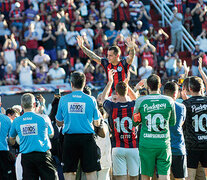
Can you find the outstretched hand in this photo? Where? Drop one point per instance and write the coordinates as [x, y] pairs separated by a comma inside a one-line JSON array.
[[80, 41], [200, 61], [130, 43]]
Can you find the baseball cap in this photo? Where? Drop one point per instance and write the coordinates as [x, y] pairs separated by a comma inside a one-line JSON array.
[[23, 48], [40, 48], [171, 46], [17, 4], [174, 8], [197, 43], [139, 22]]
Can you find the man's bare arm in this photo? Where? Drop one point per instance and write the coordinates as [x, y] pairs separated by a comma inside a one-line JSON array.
[[88, 52], [131, 45]]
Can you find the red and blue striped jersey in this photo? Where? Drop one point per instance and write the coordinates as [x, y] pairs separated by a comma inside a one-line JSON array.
[[120, 123], [122, 69]]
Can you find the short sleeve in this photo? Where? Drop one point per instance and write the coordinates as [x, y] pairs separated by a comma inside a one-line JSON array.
[[107, 106], [13, 132], [104, 63], [59, 115], [50, 128], [125, 65]]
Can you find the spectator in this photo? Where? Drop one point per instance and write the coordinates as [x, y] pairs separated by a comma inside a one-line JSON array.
[[39, 28], [83, 9], [144, 17], [30, 14], [202, 39], [111, 34], [188, 19], [170, 61], [99, 32], [161, 71], [197, 25], [9, 48], [41, 75], [31, 37], [41, 59], [146, 5], [79, 65], [107, 8], [125, 31], [3, 29], [134, 9], [180, 70], [99, 77], [89, 34], [176, 29], [120, 42], [88, 71], [2, 68], [147, 51], [42, 12], [71, 41], [145, 71], [60, 35], [70, 8], [161, 39], [22, 55], [93, 11], [121, 12], [79, 22], [10, 77], [25, 72], [151, 34], [16, 17], [56, 74], [195, 55], [64, 63], [49, 42], [139, 31]]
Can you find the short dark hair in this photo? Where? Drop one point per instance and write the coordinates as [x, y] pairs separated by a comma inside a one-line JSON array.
[[153, 82], [186, 84], [116, 50], [10, 111], [78, 79], [195, 83], [121, 88], [170, 88]]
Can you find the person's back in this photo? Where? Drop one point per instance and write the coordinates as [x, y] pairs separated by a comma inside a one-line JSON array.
[[156, 112], [33, 131]]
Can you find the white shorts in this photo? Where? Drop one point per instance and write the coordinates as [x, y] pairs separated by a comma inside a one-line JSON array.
[[124, 159]]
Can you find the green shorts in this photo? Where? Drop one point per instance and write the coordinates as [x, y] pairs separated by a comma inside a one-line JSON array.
[[161, 158]]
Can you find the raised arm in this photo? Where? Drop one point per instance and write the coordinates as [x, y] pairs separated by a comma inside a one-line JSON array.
[[88, 52], [131, 45], [204, 77], [106, 90]]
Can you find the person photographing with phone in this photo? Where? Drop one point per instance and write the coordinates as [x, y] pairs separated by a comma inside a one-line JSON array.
[[113, 61]]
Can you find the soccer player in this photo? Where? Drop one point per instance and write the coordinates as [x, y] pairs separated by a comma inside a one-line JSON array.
[[5, 163], [195, 127], [125, 154], [34, 131], [121, 66], [179, 159], [156, 112], [77, 111]]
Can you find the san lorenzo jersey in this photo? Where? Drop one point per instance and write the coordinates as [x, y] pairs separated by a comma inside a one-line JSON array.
[[120, 122], [33, 131], [157, 113], [121, 68], [5, 125], [77, 110], [195, 127]]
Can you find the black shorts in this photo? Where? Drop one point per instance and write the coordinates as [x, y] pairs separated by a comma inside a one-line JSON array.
[[7, 168], [80, 147], [194, 157], [179, 166], [38, 164]]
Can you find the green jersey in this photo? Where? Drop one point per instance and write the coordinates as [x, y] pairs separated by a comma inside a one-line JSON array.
[[157, 113]]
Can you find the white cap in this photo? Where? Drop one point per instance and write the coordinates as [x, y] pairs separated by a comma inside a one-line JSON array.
[[139, 22], [23, 48], [17, 4], [171, 46]]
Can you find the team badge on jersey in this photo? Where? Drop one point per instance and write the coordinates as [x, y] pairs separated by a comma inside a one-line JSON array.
[[29, 129], [119, 68], [76, 107]]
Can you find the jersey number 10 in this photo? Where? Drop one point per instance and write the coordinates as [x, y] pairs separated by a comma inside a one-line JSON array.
[[120, 124], [199, 122]]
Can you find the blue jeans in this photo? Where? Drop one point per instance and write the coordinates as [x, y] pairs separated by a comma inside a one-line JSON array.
[[170, 72]]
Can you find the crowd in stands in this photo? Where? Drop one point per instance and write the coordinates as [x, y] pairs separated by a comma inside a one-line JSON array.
[[38, 38]]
